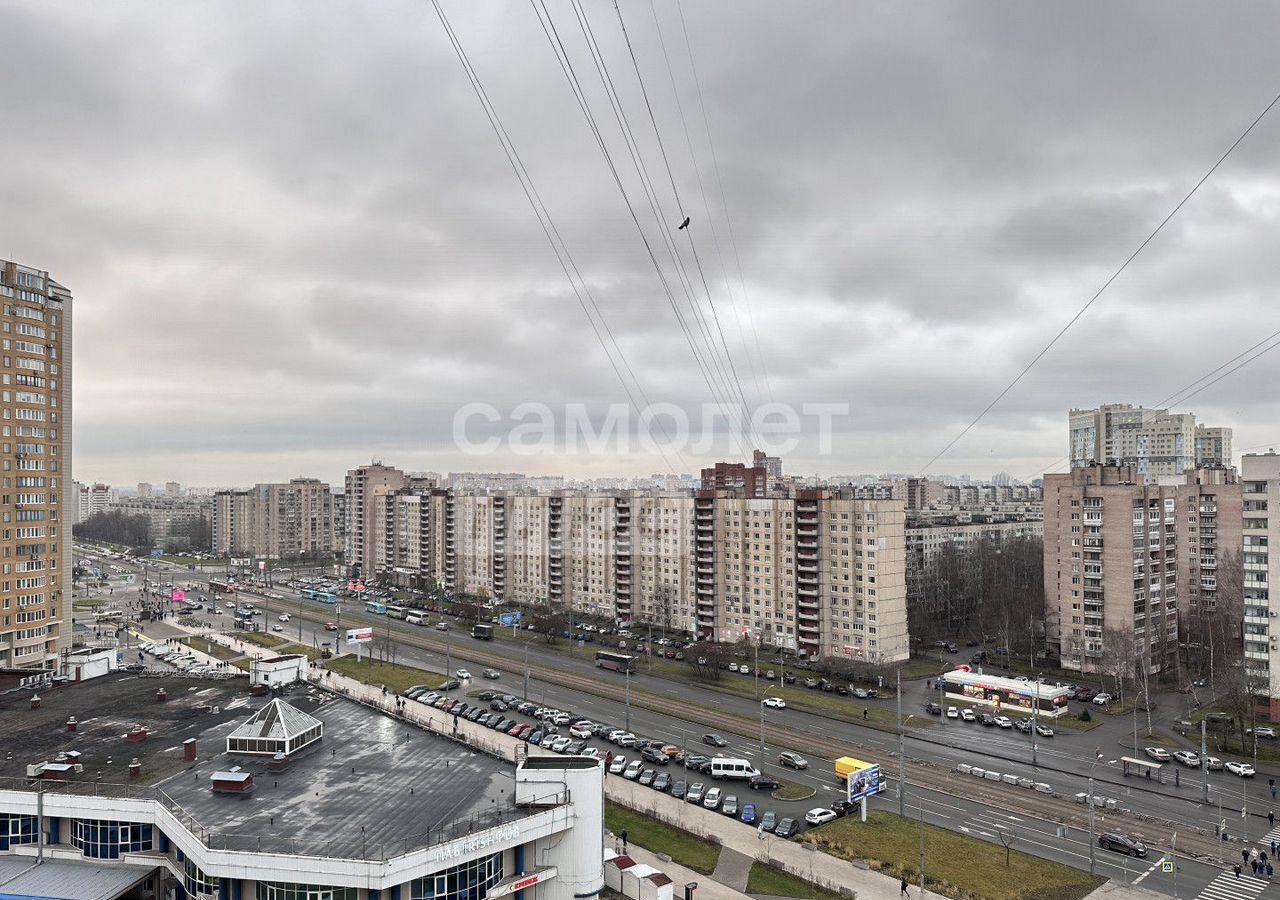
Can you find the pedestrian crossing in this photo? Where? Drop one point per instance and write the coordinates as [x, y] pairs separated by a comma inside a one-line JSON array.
[[1228, 887]]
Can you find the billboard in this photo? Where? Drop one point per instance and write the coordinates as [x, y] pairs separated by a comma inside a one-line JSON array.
[[864, 781], [178, 596], [239, 563], [355, 585], [509, 618], [359, 635]]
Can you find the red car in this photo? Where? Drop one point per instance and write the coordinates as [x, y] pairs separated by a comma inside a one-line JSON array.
[[330, 626]]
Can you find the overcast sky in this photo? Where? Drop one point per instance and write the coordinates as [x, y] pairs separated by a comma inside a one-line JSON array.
[[295, 244]]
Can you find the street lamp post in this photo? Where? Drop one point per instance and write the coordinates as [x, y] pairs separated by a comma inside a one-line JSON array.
[[902, 751], [627, 726], [526, 671], [761, 732], [1035, 723], [1091, 838]]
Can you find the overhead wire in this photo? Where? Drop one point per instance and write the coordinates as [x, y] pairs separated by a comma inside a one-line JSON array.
[[715, 166], [549, 229], [707, 361], [1106, 284], [733, 369]]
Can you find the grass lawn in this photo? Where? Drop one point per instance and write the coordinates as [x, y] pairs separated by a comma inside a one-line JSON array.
[[955, 865], [395, 678], [923, 668], [791, 791], [213, 649], [683, 847], [765, 879], [261, 638]]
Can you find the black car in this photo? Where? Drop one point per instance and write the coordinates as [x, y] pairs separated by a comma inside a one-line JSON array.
[[789, 678], [679, 789], [697, 762], [842, 808], [987, 719], [933, 709], [714, 740], [486, 696], [763, 782], [1122, 843], [661, 781], [786, 828], [826, 686], [498, 706]]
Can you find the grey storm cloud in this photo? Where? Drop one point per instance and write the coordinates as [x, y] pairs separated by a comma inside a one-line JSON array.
[[295, 243]]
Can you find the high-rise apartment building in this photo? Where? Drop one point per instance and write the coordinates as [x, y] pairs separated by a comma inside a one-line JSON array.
[[365, 513], [172, 489], [821, 573], [35, 448], [1124, 558], [1155, 442], [289, 520], [145, 489], [1260, 480]]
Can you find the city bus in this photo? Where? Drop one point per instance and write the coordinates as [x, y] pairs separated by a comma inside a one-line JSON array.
[[327, 597], [376, 607], [310, 593], [222, 587], [396, 612], [618, 662]]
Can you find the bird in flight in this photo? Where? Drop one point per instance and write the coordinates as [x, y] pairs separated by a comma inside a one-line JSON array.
[[684, 224]]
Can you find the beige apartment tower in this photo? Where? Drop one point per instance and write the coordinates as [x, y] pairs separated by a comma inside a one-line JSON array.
[[289, 520], [35, 451], [1260, 480], [1124, 559], [1155, 442]]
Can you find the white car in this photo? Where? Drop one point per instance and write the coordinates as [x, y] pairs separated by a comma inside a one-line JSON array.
[[1004, 721], [775, 702], [712, 798], [1263, 732], [733, 667], [967, 715], [1244, 770], [462, 675], [953, 713], [284, 617], [1213, 763], [1044, 731], [277, 627], [593, 752], [581, 731], [1187, 758], [633, 770], [820, 816], [1102, 699], [619, 763], [1159, 754]]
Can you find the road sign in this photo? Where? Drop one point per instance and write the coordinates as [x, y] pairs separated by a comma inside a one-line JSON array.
[[359, 635], [1166, 866]]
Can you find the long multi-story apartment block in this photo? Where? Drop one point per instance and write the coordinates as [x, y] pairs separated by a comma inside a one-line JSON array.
[[1260, 481], [1124, 558], [36, 449], [1155, 442], [288, 520], [821, 573]]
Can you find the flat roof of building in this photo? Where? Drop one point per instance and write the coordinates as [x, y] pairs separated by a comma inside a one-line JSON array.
[[21, 876], [373, 787], [999, 682], [106, 709]]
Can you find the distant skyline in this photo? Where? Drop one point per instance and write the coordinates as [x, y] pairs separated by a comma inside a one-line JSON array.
[[294, 243]]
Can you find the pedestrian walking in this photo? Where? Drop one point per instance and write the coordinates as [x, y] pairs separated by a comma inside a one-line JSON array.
[[1237, 870], [904, 887], [1271, 818], [1270, 870], [864, 712], [1253, 864], [1244, 854]]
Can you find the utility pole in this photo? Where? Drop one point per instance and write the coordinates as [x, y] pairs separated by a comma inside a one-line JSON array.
[[1173, 857], [902, 753], [526, 671], [627, 726], [922, 848], [1035, 723], [1204, 766], [761, 704], [1092, 864]]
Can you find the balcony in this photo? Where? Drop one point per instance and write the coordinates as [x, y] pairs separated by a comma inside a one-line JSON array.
[[806, 591]]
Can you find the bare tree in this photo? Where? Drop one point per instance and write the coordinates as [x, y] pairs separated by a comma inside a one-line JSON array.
[[1007, 840], [1119, 657]]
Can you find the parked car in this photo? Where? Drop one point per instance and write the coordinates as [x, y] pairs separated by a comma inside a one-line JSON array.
[[820, 816], [843, 807], [748, 814], [619, 763], [1263, 731], [1044, 730], [633, 770], [1213, 763], [793, 760], [1187, 758], [730, 806], [968, 715], [1159, 754], [646, 777], [987, 719], [649, 754], [661, 782], [786, 828], [953, 712], [764, 782], [1101, 699], [933, 709], [1121, 843], [679, 789], [1004, 721], [1242, 769], [769, 820], [713, 798], [696, 792], [775, 702]]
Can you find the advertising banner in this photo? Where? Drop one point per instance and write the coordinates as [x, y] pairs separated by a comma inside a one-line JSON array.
[[864, 781], [359, 635], [178, 596]]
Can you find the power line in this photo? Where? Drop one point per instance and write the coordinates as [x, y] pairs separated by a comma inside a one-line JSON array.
[[709, 366], [688, 231], [1171, 399], [715, 165], [547, 223], [1116, 274]]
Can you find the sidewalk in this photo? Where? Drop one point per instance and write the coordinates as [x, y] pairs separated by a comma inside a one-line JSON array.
[[708, 888]]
